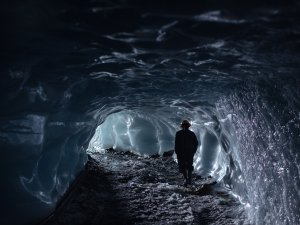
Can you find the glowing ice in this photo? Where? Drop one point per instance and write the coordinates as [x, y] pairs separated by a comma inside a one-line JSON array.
[[128, 130]]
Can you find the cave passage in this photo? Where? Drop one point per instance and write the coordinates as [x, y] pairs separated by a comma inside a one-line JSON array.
[[132, 177], [125, 188], [81, 76]]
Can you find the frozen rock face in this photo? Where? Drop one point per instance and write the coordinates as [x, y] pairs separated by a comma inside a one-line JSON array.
[[137, 69]]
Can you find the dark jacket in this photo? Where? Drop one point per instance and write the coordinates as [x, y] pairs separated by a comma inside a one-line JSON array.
[[186, 143]]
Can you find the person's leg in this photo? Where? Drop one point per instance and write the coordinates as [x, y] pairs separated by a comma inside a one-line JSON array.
[[185, 177], [185, 174], [180, 165], [190, 170], [182, 169]]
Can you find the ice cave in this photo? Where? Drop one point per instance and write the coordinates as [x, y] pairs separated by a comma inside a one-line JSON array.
[[113, 80]]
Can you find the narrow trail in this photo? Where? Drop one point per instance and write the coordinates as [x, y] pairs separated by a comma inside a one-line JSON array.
[[123, 188]]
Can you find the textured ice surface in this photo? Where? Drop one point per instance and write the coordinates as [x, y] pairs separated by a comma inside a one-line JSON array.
[[129, 130], [70, 66], [42, 157]]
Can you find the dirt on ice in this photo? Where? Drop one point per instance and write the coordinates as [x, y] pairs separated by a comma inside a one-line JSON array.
[[122, 188]]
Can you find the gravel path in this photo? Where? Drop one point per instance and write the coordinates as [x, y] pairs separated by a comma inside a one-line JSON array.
[[122, 188]]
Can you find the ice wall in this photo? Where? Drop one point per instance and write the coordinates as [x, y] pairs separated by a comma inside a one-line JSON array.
[[266, 150], [42, 156], [142, 133], [43, 137]]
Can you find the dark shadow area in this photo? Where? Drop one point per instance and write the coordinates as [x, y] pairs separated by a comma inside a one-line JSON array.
[[92, 200]]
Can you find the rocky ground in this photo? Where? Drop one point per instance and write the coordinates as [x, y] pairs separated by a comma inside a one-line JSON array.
[[123, 188]]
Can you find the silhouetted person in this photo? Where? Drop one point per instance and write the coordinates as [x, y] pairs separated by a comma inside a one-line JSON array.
[[186, 144]]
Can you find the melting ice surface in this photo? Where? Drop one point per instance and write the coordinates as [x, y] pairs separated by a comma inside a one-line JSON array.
[[124, 74]]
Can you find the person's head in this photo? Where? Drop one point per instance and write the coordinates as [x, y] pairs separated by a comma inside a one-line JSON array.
[[185, 124]]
